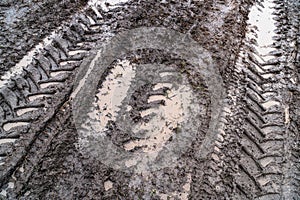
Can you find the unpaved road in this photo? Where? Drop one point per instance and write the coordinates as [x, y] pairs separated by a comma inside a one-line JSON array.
[[225, 126]]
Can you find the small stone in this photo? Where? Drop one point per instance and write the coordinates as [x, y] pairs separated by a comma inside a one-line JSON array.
[[217, 149], [108, 185], [222, 132], [215, 157], [220, 138]]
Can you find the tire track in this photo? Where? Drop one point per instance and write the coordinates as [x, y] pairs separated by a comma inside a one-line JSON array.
[[32, 94], [263, 138], [25, 23], [260, 166]]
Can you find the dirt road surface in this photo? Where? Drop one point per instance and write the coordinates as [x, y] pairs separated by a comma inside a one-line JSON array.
[[151, 99]]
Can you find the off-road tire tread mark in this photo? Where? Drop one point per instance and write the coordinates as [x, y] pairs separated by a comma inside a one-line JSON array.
[[274, 139], [38, 72]]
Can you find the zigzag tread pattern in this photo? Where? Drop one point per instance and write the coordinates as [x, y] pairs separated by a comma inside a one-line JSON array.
[[266, 165], [29, 100], [263, 142]]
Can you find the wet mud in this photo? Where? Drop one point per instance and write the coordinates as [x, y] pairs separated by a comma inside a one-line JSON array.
[[147, 97], [24, 24]]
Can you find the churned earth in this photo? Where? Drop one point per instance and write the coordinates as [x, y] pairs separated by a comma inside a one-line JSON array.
[[203, 105]]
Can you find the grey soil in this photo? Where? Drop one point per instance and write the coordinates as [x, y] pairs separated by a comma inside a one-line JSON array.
[[25, 23], [254, 153]]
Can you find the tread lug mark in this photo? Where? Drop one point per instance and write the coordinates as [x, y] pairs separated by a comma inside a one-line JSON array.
[[34, 86], [254, 140], [245, 170], [6, 106], [43, 61], [54, 63], [7, 126]]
